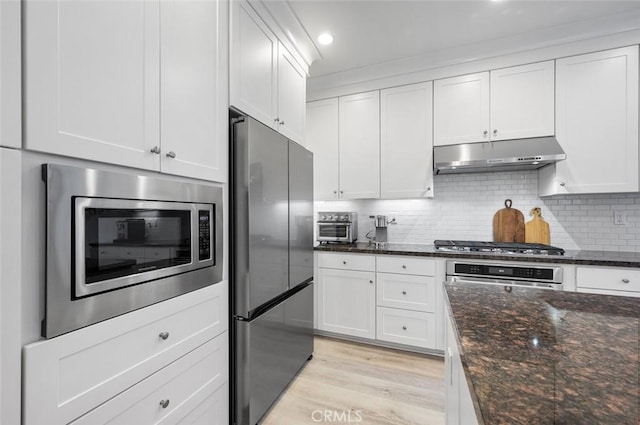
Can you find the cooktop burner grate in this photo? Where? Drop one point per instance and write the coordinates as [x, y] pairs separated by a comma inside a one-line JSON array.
[[498, 247]]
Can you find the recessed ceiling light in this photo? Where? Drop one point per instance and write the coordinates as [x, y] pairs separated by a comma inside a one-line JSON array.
[[325, 39]]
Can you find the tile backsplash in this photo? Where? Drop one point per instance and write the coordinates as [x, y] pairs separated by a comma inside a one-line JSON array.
[[464, 205]]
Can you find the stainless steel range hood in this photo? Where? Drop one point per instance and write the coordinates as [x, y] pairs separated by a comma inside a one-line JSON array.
[[504, 155]]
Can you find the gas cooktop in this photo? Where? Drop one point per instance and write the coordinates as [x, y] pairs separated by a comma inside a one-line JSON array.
[[497, 247]]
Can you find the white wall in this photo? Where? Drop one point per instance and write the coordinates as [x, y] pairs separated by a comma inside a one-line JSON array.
[[464, 205]]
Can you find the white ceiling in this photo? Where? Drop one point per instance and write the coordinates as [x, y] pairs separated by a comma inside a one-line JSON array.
[[372, 32]]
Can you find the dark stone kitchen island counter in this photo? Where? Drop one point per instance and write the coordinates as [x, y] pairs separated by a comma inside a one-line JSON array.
[[586, 258], [535, 356]]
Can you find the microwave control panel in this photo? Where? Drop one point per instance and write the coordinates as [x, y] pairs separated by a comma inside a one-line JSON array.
[[204, 220]]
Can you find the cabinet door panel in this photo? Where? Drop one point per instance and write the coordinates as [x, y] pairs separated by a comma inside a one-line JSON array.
[[597, 122], [10, 75], [92, 80], [253, 56], [461, 109], [322, 140], [347, 302], [359, 146], [522, 101], [291, 96], [194, 88], [406, 142]]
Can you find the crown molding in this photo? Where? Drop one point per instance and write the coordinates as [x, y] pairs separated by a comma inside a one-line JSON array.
[[566, 40], [282, 20]]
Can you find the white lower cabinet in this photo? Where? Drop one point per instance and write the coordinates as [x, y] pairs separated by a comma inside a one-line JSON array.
[[346, 303], [608, 281], [119, 370], [458, 405], [385, 298], [171, 394], [406, 327]]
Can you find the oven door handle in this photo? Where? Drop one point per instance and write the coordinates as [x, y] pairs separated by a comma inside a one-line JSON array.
[[503, 282]]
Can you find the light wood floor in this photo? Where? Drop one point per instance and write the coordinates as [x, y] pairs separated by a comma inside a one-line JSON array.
[[347, 383]]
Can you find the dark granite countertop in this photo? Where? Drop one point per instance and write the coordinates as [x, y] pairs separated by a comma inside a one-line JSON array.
[[589, 258], [535, 356]]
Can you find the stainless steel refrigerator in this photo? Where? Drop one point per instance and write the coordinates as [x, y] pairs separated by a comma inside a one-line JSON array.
[[271, 265]]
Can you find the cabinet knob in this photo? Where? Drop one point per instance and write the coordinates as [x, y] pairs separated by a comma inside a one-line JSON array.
[[625, 281], [404, 328], [335, 192], [371, 281], [164, 403], [276, 120], [429, 188], [485, 133], [404, 267], [495, 131], [281, 122], [344, 262], [171, 154], [404, 292], [156, 150], [163, 335], [341, 192], [562, 184]]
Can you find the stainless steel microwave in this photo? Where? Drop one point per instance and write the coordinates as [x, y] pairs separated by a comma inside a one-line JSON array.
[[118, 242]]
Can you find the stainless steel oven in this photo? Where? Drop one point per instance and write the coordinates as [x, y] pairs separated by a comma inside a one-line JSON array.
[[495, 273], [118, 242], [340, 227]]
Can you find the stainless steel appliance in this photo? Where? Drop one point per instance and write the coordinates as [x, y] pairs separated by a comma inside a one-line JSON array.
[[118, 242], [502, 155], [492, 273], [271, 265], [497, 247], [338, 227]]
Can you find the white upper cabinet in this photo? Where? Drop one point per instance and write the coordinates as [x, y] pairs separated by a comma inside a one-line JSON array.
[[596, 124], [10, 78], [194, 107], [292, 88], [509, 103], [253, 64], [461, 109], [266, 82], [359, 145], [95, 73], [406, 142], [522, 101], [322, 140], [92, 75]]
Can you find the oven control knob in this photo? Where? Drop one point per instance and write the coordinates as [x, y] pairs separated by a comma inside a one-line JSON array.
[[332, 217], [344, 217], [323, 217]]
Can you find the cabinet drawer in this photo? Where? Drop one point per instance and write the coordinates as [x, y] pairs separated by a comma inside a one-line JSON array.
[[181, 387], [406, 291], [66, 376], [406, 327], [622, 279], [405, 265], [347, 261]]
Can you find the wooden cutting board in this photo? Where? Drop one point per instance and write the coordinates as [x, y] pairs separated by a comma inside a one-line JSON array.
[[537, 230], [508, 224]]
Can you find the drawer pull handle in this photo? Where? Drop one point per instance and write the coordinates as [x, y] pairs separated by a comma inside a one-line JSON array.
[[625, 280], [164, 403], [404, 267], [404, 292], [404, 328], [163, 335]]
